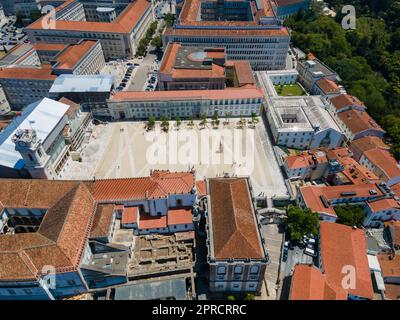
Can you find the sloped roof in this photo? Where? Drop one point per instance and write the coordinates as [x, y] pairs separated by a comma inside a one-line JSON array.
[[59, 240], [158, 185], [235, 233], [343, 246], [102, 220], [346, 100], [383, 160], [308, 283], [358, 121]]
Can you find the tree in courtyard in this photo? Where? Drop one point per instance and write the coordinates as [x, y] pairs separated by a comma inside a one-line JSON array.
[[165, 123], [215, 119], [191, 122], [301, 222], [242, 121], [350, 215], [178, 122], [230, 297], [151, 122], [203, 118], [249, 296], [254, 118]]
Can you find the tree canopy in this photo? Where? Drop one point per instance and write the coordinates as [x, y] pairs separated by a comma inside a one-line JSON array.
[[366, 58], [350, 215], [301, 222]]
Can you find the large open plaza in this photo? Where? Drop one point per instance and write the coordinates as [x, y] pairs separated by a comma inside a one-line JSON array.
[[128, 149]]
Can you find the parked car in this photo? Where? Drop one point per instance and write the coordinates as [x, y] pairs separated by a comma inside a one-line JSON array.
[[309, 251]]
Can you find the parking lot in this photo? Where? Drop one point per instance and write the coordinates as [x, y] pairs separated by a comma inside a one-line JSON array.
[[10, 35]]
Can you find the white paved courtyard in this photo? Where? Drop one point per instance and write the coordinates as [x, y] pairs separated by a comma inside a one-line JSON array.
[[127, 149]]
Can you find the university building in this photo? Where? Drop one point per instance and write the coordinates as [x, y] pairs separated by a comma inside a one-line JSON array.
[[28, 72], [201, 68], [119, 28], [249, 30], [70, 226], [237, 255], [186, 104]]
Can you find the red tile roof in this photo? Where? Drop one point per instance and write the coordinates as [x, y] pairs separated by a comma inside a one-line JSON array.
[[328, 86], [385, 161], [70, 56], [308, 283], [229, 93], [390, 264], [358, 121], [102, 221], [383, 204], [33, 73], [243, 72], [367, 143], [179, 216], [130, 215], [201, 187], [60, 238], [124, 23], [312, 195], [158, 185], [148, 222], [346, 100], [343, 246], [234, 228]]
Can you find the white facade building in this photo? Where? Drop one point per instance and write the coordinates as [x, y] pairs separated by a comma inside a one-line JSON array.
[[302, 123], [185, 103]]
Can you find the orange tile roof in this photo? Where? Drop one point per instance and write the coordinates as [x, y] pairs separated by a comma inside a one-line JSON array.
[[70, 56], [358, 121], [356, 172], [243, 72], [124, 23], [201, 187], [299, 161], [179, 216], [312, 195], [308, 283], [385, 161], [345, 100], [343, 246], [158, 185], [149, 222], [396, 189], [235, 233], [383, 204], [390, 264], [130, 215], [392, 291], [367, 143], [168, 60], [228, 93], [102, 221], [49, 46], [328, 86], [61, 237], [42, 73]]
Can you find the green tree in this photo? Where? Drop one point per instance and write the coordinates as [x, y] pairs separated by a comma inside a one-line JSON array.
[[178, 122], [254, 118], [249, 296], [203, 118], [230, 297], [301, 222], [157, 42], [165, 123], [151, 122], [350, 215]]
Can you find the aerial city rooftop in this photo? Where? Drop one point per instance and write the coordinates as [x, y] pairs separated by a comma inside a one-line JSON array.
[[188, 150]]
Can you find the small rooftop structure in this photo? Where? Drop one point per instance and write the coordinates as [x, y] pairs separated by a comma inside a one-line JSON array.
[[82, 83]]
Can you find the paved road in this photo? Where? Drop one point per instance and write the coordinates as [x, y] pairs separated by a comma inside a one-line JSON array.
[[273, 239]]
